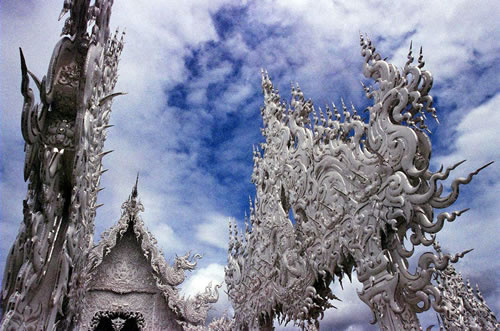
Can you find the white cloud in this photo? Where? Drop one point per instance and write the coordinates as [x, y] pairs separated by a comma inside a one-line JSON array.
[[201, 277], [167, 239], [214, 231], [351, 311], [475, 136], [235, 94]]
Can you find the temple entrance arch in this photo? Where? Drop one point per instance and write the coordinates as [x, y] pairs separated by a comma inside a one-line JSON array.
[[117, 321]]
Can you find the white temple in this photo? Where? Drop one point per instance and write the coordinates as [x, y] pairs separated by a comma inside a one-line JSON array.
[[130, 284]]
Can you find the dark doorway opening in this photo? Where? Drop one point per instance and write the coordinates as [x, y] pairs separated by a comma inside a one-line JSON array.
[[117, 321]]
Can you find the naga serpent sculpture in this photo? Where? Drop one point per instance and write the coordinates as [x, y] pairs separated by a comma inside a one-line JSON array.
[[357, 188]]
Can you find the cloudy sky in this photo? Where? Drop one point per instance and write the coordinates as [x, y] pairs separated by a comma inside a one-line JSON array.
[[191, 115]]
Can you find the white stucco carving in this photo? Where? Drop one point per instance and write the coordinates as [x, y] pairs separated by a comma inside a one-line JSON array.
[[357, 188], [335, 191], [127, 273], [64, 138]]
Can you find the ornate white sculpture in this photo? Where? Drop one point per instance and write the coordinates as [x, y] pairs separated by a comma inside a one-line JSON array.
[[126, 273], [64, 137], [53, 277], [357, 188], [465, 309]]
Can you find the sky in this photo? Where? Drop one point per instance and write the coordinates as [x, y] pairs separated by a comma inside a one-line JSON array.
[[187, 125]]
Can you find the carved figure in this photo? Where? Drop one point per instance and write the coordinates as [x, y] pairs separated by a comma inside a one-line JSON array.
[[197, 308], [357, 188], [116, 320]]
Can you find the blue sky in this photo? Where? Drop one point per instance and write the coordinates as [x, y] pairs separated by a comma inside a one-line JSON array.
[[191, 115]]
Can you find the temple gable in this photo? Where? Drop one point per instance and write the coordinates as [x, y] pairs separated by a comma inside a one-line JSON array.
[[125, 269], [130, 285]]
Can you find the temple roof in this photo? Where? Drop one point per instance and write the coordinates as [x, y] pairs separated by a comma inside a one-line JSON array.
[[167, 276]]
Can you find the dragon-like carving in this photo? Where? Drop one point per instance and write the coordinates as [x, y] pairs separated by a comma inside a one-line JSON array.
[[64, 136], [337, 192], [195, 309]]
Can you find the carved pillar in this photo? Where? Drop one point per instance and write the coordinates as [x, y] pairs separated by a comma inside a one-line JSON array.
[[383, 290], [389, 308], [64, 138]]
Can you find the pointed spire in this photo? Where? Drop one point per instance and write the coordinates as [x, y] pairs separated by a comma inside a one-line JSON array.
[[354, 112], [322, 117], [133, 205], [336, 112], [421, 61], [247, 229], [315, 117], [410, 54], [134, 189], [231, 242], [345, 111]]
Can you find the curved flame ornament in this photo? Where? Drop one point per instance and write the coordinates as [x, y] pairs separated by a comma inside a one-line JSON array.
[[357, 188]]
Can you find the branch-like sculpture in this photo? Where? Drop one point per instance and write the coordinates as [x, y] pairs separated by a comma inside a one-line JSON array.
[[357, 189], [64, 136]]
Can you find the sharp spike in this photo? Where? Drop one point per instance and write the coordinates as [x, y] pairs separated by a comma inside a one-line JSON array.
[[36, 80], [103, 154], [462, 211], [109, 97], [354, 112], [136, 183], [421, 61]]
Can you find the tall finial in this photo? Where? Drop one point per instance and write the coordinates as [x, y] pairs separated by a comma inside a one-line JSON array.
[[133, 205], [134, 190]]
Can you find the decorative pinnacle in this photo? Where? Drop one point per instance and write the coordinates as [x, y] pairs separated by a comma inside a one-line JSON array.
[[133, 205], [134, 189], [421, 61]]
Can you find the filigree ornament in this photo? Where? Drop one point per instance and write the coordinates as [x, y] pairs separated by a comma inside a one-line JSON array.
[[64, 136], [223, 323], [124, 275], [465, 309], [357, 188]]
